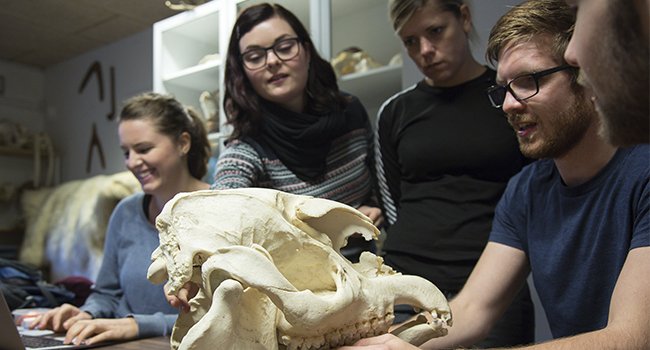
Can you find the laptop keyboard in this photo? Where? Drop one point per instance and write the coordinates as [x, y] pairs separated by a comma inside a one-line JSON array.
[[39, 342]]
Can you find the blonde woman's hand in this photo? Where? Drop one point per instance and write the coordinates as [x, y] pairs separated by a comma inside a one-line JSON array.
[[185, 294], [60, 319], [101, 330]]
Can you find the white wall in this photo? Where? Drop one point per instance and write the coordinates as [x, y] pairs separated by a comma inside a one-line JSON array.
[[70, 114]]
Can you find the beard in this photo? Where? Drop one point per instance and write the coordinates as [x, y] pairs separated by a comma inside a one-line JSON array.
[[623, 97], [559, 133]]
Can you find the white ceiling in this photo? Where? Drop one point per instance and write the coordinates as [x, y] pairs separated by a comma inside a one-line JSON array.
[[44, 32], [41, 33]]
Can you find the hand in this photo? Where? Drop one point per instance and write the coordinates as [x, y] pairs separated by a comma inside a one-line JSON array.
[[101, 329], [373, 213], [60, 319], [185, 294], [382, 342]]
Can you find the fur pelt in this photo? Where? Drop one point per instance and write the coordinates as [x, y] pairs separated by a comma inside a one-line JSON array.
[[66, 225]]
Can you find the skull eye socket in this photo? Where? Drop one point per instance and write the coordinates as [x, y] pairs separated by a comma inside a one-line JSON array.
[[199, 259]]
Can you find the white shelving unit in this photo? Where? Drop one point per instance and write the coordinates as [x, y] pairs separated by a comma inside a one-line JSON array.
[[189, 53], [374, 86], [365, 24]]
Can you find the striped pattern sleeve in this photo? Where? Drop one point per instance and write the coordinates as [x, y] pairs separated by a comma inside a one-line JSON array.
[[386, 159], [239, 166]]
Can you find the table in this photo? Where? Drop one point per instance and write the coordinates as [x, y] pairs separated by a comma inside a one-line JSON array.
[[157, 343]]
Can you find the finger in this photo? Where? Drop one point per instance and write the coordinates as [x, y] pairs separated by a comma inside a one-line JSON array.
[[35, 322], [100, 337], [95, 334], [82, 330], [46, 319], [73, 332], [182, 295], [183, 299], [58, 319], [186, 293], [173, 301], [60, 315], [382, 339], [72, 320]]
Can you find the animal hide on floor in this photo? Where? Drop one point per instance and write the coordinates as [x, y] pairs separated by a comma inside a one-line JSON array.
[[66, 225]]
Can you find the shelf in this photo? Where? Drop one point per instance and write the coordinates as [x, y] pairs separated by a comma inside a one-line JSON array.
[[374, 86], [24, 104], [385, 72], [19, 152], [12, 151], [203, 77]]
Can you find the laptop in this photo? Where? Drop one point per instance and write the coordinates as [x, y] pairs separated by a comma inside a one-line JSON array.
[[18, 338]]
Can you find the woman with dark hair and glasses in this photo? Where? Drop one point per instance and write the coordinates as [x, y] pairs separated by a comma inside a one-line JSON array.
[[293, 130], [444, 158]]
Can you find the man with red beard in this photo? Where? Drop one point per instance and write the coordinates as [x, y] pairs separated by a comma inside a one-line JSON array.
[[577, 219], [610, 44]]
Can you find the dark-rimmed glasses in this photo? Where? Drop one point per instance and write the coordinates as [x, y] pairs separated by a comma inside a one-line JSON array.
[[522, 87], [284, 50]]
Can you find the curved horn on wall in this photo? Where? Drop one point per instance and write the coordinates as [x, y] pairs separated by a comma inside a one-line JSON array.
[[96, 69]]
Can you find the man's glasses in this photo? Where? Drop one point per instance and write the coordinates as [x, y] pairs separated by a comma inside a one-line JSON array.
[[522, 87], [284, 50]]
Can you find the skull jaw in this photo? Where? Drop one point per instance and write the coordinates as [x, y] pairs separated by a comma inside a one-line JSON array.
[[359, 307], [237, 319]]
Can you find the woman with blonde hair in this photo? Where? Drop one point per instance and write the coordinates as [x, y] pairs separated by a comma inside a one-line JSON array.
[[166, 147], [444, 157]]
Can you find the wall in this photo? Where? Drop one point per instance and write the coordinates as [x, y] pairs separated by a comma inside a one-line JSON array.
[[73, 112], [20, 102]]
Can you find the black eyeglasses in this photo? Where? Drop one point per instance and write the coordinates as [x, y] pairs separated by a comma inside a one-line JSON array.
[[284, 50], [522, 87]]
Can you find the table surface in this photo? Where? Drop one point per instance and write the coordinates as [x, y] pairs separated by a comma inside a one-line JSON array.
[[157, 343]]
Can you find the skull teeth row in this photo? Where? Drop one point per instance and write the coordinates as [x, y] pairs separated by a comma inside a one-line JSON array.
[[345, 336]]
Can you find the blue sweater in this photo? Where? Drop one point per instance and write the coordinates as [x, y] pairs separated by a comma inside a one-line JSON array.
[[122, 288]]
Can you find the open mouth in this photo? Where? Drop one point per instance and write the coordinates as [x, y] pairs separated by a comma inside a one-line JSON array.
[[277, 78], [143, 175], [524, 129], [525, 126]]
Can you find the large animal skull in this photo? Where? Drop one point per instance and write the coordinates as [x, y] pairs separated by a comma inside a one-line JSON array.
[[271, 275]]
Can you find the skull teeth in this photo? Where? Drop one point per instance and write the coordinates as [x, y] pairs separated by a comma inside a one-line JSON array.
[[339, 337]]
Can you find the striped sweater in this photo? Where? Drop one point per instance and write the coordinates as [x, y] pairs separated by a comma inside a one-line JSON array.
[[349, 170]]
